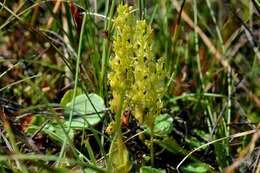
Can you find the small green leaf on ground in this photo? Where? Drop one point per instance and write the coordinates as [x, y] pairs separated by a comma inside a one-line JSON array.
[[163, 125], [55, 132], [68, 96], [196, 168], [148, 169], [119, 156], [87, 110]]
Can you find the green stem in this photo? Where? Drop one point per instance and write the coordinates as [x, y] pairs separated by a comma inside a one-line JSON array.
[[118, 119], [91, 153], [152, 145], [75, 86]]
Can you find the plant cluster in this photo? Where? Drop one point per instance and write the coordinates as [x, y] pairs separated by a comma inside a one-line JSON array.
[[136, 78]]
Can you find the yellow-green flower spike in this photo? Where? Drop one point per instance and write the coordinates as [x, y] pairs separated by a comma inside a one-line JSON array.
[[136, 77], [120, 76]]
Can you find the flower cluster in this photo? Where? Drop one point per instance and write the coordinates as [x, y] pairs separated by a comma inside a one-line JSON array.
[[137, 78], [121, 76]]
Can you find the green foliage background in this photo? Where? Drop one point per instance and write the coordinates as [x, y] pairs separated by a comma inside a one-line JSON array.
[[55, 54]]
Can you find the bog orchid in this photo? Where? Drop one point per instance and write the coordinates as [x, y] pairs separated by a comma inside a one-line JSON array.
[[136, 77]]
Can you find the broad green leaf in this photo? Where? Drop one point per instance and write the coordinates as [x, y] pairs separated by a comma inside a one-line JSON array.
[[118, 154], [88, 170], [83, 115], [148, 169], [61, 170], [87, 110], [55, 132], [163, 125], [196, 168], [68, 96], [56, 170], [171, 145]]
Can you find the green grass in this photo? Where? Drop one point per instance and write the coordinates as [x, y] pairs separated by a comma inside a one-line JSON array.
[[212, 62]]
